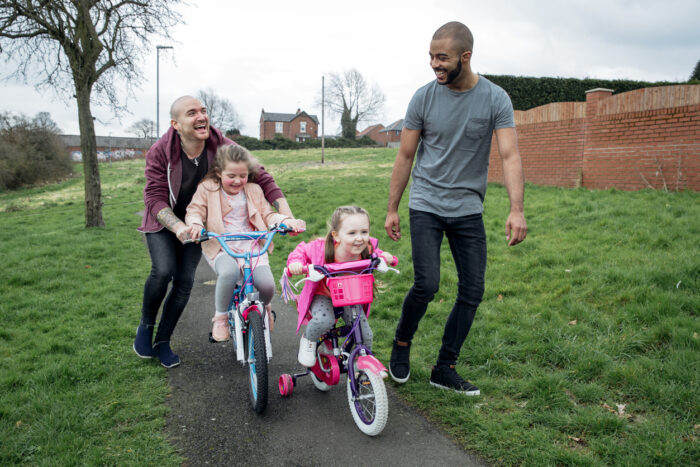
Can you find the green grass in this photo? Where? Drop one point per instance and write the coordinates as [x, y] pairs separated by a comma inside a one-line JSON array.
[[597, 308]]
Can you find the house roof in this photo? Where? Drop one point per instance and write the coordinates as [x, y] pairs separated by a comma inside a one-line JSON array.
[[370, 129], [279, 117], [396, 126]]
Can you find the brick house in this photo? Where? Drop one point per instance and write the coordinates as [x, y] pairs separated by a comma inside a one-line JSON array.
[[373, 133], [392, 133], [299, 126]]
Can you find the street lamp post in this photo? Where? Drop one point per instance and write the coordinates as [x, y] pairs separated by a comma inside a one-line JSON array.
[[158, 47]]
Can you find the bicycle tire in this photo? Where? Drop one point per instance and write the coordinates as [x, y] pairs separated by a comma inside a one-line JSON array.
[[256, 358], [371, 409]]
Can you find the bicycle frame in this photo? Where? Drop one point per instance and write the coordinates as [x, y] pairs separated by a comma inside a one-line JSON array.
[[244, 297]]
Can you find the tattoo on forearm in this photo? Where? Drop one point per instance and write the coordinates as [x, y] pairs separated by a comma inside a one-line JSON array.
[[167, 218], [276, 205]]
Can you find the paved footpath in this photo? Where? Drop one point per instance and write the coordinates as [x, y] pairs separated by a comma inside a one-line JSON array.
[[211, 421]]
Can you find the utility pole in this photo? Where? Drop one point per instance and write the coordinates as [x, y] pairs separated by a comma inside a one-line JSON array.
[[323, 119], [158, 47]]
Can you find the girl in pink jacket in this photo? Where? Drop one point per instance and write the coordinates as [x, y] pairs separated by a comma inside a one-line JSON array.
[[347, 240], [225, 201]]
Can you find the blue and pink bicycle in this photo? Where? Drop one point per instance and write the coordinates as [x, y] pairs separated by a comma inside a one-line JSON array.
[[247, 318], [342, 349]]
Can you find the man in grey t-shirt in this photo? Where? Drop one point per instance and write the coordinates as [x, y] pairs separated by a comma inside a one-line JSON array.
[[450, 122]]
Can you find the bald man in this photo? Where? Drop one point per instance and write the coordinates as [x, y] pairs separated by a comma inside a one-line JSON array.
[[175, 164], [449, 122]]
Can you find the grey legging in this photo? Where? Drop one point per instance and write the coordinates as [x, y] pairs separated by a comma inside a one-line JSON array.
[[323, 319], [228, 272]]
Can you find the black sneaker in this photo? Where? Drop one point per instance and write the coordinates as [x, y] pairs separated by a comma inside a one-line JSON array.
[[399, 364], [167, 357], [446, 377]]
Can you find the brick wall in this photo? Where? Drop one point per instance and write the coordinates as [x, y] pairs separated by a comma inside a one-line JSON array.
[[639, 139]]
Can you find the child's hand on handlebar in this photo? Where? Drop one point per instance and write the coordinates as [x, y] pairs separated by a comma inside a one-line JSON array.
[[296, 268], [195, 231], [297, 225], [388, 257]]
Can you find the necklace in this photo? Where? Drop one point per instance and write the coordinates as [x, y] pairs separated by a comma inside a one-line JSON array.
[[194, 160]]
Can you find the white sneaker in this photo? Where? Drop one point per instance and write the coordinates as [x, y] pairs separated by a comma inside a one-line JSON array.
[[307, 352]]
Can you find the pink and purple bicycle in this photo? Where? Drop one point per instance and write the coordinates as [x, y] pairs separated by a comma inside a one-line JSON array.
[[343, 350]]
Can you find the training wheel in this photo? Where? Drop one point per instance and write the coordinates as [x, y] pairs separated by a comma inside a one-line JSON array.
[[286, 384]]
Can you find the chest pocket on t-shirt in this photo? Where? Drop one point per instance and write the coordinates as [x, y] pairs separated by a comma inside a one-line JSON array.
[[477, 128]]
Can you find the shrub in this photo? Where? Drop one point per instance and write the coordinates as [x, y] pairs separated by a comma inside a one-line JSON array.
[[280, 142], [31, 153], [527, 92]]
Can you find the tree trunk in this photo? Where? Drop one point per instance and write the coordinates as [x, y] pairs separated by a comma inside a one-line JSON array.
[[91, 169], [348, 125]]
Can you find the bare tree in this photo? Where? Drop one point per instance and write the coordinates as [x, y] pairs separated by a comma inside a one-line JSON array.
[[354, 99], [222, 115], [75, 47], [144, 128], [44, 120]]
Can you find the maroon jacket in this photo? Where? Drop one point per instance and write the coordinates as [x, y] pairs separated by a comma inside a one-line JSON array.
[[164, 175]]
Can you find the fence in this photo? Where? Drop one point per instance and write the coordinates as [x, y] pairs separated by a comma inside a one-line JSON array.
[[647, 138]]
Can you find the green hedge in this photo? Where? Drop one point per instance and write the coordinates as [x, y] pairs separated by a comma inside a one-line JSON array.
[[280, 142], [527, 92]]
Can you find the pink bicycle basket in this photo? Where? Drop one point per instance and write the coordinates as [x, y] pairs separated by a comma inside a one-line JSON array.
[[351, 290]]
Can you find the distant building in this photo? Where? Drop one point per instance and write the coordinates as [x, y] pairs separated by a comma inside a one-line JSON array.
[[299, 126], [392, 133], [110, 147], [389, 136], [373, 133]]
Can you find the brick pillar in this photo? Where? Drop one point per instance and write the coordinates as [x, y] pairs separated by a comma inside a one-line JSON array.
[[594, 96]]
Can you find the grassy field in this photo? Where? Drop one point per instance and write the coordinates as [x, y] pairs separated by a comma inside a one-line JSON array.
[[585, 347]]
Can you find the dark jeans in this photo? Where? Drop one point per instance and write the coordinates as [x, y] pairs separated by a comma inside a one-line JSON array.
[[467, 239], [171, 261]]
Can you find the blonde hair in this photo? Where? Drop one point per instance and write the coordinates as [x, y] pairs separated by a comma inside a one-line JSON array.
[[336, 221], [231, 153]]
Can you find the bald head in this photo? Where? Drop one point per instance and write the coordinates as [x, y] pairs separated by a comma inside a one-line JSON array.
[[460, 35], [180, 104]]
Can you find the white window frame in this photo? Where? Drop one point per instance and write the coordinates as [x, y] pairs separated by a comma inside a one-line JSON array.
[[279, 127], [302, 127]]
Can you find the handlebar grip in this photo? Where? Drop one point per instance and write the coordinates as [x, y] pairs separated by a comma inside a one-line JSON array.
[[304, 270]]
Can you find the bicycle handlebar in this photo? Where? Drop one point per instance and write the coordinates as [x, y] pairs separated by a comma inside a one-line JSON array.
[[254, 235], [330, 269]]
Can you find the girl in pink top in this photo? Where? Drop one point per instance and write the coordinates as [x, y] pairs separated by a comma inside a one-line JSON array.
[[347, 240], [225, 201]]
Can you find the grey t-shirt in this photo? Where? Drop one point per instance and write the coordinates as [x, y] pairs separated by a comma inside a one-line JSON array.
[[452, 162]]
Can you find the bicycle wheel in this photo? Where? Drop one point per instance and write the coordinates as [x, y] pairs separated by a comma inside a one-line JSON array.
[[370, 409], [256, 356]]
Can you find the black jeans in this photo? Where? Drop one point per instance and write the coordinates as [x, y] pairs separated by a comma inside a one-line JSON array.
[[467, 239], [171, 261]]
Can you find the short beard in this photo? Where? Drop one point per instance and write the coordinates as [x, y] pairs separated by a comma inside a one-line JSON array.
[[452, 75]]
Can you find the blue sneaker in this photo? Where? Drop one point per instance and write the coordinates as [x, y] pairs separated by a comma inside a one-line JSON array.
[[167, 357], [142, 343]]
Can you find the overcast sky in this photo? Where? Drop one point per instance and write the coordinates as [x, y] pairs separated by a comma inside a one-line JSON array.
[[272, 54]]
